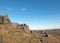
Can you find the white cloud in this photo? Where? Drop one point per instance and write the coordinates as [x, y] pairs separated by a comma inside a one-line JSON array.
[[24, 9]]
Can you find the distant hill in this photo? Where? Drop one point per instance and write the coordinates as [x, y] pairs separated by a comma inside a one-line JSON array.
[[55, 33]]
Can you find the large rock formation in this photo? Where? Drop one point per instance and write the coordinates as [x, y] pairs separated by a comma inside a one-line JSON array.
[[4, 19]]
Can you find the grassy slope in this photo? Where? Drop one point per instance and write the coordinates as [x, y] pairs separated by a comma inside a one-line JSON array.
[[11, 35]]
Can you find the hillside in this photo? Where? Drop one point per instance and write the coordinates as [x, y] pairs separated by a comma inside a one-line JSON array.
[[20, 33], [9, 34]]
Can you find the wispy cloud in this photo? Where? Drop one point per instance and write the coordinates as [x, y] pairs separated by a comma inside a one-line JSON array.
[[23, 9], [10, 9]]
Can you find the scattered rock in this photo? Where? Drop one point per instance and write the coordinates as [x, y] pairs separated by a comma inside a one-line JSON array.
[[45, 34]]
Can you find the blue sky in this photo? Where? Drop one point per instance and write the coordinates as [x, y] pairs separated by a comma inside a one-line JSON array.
[[38, 14]]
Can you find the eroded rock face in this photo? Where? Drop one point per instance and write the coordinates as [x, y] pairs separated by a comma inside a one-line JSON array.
[[6, 19]]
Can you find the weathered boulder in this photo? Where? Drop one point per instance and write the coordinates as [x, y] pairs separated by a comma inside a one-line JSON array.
[[25, 27]]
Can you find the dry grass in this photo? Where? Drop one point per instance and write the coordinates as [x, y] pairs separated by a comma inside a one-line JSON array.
[[11, 35]]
